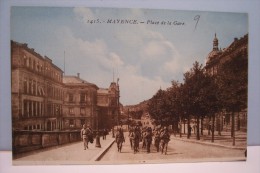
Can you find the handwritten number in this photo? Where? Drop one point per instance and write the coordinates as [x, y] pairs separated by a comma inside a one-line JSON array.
[[196, 18]]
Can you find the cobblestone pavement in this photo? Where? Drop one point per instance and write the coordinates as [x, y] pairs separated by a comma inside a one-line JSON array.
[[66, 154], [178, 151]]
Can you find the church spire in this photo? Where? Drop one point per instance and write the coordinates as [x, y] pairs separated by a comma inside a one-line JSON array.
[[215, 43]]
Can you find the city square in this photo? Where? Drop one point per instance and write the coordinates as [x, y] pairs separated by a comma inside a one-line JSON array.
[[93, 89]]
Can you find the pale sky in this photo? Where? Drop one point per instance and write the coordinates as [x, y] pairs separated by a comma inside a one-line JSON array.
[[144, 56]]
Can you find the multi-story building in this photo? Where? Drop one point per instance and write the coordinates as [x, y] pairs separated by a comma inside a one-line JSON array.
[[239, 47], [80, 103], [109, 105], [44, 99], [37, 90]]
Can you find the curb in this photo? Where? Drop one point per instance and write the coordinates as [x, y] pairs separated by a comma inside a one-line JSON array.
[[103, 152], [211, 144]]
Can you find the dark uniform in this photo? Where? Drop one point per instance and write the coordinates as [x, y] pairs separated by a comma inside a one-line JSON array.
[[164, 139], [148, 139], [136, 139], [120, 139], [157, 139]]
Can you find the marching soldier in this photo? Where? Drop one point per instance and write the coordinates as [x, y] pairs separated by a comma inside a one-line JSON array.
[[148, 139], [164, 139], [120, 139], [157, 139]]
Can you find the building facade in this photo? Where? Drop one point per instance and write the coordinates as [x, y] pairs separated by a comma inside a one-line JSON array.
[[238, 48], [37, 90], [80, 103], [109, 106], [44, 99]]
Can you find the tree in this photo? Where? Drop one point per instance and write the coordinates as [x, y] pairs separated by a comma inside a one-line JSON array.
[[212, 102], [192, 87], [156, 106], [175, 95], [201, 94], [233, 83]]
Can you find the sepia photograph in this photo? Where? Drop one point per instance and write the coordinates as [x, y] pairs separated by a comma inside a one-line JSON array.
[[102, 85]]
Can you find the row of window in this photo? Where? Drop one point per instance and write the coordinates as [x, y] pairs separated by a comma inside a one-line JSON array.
[[54, 109], [34, 127], [72, 123], [52, 74], [82, 98], [33, 87], [54, 92], [33, 108], [36, 109], [82, 111], [50, 126], [32, 64], [38, 67]]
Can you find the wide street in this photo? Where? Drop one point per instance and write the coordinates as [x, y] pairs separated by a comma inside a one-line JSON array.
[[178, 151]]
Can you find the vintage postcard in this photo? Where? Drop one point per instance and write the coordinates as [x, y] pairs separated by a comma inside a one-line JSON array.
[[128, 86]]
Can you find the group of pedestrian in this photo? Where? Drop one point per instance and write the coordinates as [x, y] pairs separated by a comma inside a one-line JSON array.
[[87, 135], [161, 139], [145, 135], [136, 135]]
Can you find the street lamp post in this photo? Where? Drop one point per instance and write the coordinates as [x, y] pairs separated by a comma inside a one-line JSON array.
[[98, 145], [113, 132], [128, 119]]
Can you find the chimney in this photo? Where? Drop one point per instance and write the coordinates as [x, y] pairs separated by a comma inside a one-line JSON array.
[[78, 74]]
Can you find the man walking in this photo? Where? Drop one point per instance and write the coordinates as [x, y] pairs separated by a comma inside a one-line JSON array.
[[148, 138], [85, 133]]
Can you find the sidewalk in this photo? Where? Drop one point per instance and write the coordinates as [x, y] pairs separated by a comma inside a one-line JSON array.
[[73, 153], [223, 140]]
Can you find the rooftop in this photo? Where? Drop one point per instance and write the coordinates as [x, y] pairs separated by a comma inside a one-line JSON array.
[[76, 80]]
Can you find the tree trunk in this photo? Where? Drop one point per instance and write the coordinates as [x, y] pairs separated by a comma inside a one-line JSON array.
[[238, 122], [209, 125], [180, 128], [213, 129], [188, 128], [201, 125], [198, 128], [184, 127], [232, 124], [174, 128], [233, 127]]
